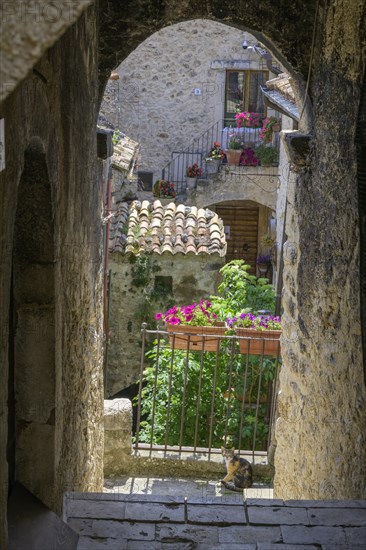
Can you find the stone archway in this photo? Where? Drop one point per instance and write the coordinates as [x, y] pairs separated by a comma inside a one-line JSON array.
[[322, 403], [32, 338]]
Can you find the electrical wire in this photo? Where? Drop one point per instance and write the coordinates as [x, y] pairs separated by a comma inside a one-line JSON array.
[[311, 59]]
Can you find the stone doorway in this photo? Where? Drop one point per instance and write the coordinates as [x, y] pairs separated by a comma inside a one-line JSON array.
[[32, 332]]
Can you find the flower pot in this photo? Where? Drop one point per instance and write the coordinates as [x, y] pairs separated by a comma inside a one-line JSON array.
[[212, 166], [191, 182], [233, 156], [258, 342], [263, 269], [195, 338]]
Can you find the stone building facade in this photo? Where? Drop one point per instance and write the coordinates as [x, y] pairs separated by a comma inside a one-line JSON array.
[[169, 93], [50, 103]]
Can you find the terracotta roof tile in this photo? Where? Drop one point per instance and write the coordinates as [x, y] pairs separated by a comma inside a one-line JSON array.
[[124, 152], [282, 83], [280, 94], [175, 229]]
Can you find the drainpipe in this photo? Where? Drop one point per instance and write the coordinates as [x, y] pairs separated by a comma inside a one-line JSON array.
[[106, 277], [104, 153], [106, 248]]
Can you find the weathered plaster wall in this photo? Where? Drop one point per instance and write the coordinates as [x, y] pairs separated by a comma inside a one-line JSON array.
[[48, 108], [193, 278], [154, 103], [321, 436]]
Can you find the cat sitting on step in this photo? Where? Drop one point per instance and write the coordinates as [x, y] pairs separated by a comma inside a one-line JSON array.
[[239, 471]]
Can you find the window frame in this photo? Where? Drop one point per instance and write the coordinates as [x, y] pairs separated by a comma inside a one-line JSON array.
[[245, 104]]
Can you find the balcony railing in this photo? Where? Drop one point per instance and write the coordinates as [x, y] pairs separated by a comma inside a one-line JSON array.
[[197, 151], [199, 393]]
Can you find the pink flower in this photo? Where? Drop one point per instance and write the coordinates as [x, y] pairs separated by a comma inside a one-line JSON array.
[[158, 316], [174, 321]]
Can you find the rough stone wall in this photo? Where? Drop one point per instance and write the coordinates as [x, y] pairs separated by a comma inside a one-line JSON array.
[[154, 103], [28, 28], [237, 185], [321, 437], [117, 434], [125, 27], [193, 278], [49, 106], [324, 448]]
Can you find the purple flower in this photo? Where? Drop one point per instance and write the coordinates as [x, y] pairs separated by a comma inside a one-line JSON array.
[[174, 321], [158, 316]]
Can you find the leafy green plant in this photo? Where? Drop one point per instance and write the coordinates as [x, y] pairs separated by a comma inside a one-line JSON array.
[[172, 383], [232, 385], [241, 292], [267, 155], [234, 144], [141, 270], [117, 135]]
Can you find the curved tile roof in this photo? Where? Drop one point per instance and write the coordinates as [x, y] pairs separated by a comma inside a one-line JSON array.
[[152, 227]]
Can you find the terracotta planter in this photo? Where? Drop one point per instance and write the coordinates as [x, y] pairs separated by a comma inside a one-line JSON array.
[[196, 338], [191, 182], [266, 342], [233, 156]]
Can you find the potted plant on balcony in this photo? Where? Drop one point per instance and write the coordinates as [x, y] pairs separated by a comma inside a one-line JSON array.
[[214, 158], [165, 191], [192, 173], [233, 153], [257, 334], [193, 327], [267, 155], [270, 125], [248, 157]]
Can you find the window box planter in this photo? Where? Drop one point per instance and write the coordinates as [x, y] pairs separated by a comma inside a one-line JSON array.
[[195, 338], [266, 342]]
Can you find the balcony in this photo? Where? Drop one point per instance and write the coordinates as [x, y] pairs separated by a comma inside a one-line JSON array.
[[257, 159]]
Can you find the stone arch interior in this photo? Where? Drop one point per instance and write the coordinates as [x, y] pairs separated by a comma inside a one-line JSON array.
[[32, 338]]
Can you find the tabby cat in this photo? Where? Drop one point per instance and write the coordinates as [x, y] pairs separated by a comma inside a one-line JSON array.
[[239, 471]]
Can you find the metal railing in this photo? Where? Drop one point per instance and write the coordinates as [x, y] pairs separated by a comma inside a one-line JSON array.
[[198, 393], [197, 151]]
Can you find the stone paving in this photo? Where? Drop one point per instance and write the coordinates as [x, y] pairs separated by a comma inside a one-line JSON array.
[[151, 514]]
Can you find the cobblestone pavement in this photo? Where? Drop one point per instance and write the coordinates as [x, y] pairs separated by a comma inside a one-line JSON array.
[[152, 514]]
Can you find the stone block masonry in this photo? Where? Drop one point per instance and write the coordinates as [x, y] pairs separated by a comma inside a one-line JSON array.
[[147, 521]]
